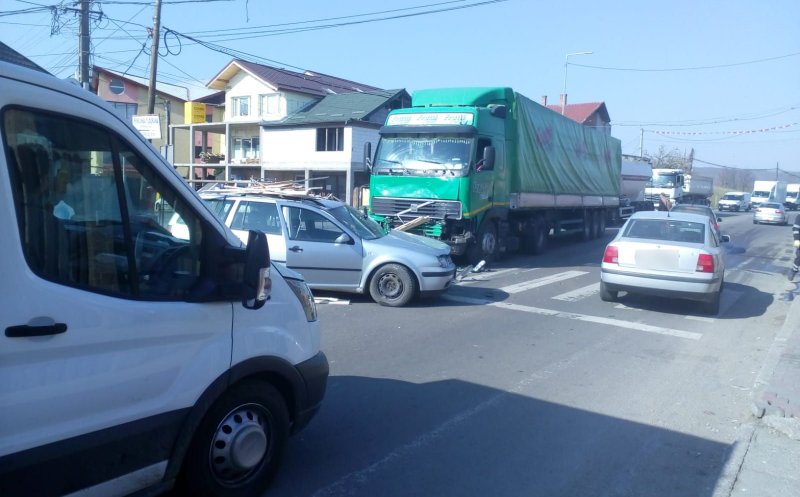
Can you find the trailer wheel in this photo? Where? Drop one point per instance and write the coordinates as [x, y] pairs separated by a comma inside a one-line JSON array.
[[587, 226], [534, 239], [484, 248], [602, 227]]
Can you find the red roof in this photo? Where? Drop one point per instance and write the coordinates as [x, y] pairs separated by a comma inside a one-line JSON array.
[[581, 112]]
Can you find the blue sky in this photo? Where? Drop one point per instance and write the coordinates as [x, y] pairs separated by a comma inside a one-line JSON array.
[[644, 60]]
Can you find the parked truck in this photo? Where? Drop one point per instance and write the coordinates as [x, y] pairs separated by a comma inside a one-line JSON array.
[[678, 187], [489, 171], [635, 174], [763, 191], [792, 196]]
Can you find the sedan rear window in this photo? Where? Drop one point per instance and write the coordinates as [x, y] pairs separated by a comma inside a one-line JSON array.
[[666, 229]]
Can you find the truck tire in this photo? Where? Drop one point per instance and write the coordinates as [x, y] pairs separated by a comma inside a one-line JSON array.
[[392, 285], [587, 226], [484, 248], [534, 240], [239, 444]]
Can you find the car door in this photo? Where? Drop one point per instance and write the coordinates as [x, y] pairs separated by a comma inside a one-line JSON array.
[[262, 216], [101, 355], [319, 248]]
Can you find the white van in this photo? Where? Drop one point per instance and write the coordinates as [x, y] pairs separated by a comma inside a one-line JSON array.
[[132, 359], [734, 201]]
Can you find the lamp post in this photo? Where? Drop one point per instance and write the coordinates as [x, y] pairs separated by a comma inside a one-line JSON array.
[[566, 64]]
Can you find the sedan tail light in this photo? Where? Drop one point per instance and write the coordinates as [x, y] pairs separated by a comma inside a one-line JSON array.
[[705, 263], [611, 255]]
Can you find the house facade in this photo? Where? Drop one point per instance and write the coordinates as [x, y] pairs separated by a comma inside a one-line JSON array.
[[289, 126], [591, 114]]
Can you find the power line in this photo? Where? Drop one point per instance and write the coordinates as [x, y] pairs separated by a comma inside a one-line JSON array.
[[719, 120], [695, 68]]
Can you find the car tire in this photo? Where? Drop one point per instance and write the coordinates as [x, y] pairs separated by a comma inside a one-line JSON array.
[[392, 285], [607, 295], [712, 306], [755, 222], [238, 445]]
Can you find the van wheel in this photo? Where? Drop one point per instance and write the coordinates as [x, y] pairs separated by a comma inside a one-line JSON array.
[[392, 285], [239, 444]]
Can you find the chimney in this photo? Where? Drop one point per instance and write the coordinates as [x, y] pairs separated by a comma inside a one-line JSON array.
[[544, 100]]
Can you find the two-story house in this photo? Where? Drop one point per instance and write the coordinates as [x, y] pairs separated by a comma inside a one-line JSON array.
[[287, 125]]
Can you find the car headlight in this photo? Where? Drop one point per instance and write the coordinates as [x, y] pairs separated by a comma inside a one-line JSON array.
[[303, 294], [445, 260]]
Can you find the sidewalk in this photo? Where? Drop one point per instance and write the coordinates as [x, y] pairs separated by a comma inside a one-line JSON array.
[[765, 461]]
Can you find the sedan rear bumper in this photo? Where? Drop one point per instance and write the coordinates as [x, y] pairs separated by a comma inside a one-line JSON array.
[[662, 286]]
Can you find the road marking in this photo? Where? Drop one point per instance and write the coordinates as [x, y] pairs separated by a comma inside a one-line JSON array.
[[744, 263], [553, 278], [484, 275], [618, 323], [580, 293]]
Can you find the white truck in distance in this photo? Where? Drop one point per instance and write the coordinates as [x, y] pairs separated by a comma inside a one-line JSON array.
[[792, 196], [763, 191], [734, 201], [636, 173], [678, 187]]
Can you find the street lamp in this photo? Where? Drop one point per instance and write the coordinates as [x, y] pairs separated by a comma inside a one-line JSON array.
[[566, 64]]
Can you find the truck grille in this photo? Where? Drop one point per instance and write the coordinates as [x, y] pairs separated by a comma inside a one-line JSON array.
[[411, 208]]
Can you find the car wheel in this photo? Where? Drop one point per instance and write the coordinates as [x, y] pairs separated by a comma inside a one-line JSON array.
[[484, 248], [392, 285], [755, 222], [607, 295], [238, 446], [712, 306]]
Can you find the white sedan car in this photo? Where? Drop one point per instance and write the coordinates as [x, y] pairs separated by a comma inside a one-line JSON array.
[[667, 254]]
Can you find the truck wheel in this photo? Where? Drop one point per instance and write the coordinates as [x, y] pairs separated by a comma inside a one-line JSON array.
[[601, 230], [392, 285], [239, 444], [485, 246], [535, 238], [587, 226]]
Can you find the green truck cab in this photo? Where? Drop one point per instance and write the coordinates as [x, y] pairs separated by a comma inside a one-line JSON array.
[[489, 171]]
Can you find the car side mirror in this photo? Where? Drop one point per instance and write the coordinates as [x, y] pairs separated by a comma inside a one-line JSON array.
[[725, 238], [344, 238], [256, 284]]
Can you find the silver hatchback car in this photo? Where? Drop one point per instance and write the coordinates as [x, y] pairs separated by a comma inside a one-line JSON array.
[[338, 248]]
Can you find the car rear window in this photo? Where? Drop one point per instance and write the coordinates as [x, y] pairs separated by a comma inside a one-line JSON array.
[[665, 229]]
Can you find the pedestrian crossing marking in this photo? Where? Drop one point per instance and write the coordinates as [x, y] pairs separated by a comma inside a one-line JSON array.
[[579, 294], [553, 278]]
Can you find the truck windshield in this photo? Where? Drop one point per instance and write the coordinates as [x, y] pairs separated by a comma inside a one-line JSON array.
[[423, 156], [663, 182], [761, 194]]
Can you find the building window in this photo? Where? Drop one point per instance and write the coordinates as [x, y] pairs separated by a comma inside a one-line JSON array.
[[124, 109], [240, 106], [246, 148], [270, 104], [330, 139]]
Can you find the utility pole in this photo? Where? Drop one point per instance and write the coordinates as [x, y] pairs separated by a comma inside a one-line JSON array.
[[83, 56], [151, 97], [641, 144]]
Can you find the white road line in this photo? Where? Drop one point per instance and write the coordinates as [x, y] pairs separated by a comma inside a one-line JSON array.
[[553, 278], [744, 263], [580, 293], [618, 323], [485, 276]]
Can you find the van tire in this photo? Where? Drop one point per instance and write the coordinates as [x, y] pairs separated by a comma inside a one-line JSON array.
[[250, 423], [392, 285]]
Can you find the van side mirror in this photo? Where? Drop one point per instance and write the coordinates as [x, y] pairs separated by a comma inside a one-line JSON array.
[[368, 155], [725, 238], [256, 284]]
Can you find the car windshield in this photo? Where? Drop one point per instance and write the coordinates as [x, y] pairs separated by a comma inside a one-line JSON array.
[[732, 197], [666, 230], [358, 222], [770, 205]]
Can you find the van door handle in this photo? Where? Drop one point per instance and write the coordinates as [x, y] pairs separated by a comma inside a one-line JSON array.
[[296, 248], [27, 330]]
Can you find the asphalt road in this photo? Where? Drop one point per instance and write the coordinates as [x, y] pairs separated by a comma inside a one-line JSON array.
[[521, 381]]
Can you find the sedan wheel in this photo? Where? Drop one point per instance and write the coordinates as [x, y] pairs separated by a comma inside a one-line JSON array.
[[392, 285], [607, 295]]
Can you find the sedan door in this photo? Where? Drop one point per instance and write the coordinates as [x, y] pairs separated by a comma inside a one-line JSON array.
[[319, 248]]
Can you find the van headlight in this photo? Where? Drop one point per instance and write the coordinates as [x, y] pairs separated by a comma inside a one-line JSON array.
[[445, 261], [303, 294]]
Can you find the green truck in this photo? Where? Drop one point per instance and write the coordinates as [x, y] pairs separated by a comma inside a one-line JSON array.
[[489, 172]]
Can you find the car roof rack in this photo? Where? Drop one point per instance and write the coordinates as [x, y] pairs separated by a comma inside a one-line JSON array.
[[278, 189]]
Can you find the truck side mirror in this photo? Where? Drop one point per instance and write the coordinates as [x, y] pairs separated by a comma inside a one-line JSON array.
[[487, 162], [368, 155], [256, 284]]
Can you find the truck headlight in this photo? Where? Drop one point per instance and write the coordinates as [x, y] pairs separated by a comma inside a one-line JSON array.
[[303, 294], [445, 261]]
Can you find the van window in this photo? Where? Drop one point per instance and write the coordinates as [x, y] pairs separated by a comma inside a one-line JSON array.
[[92, 214]]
